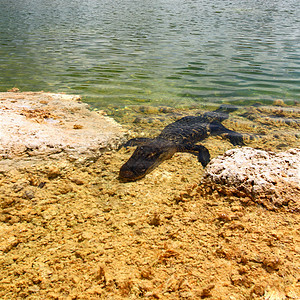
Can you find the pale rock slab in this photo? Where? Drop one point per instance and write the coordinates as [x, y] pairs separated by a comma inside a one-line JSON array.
[[46, 125], [269, 178]]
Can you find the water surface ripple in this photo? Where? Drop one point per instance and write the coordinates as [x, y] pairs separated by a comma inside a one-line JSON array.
[[171, 52]]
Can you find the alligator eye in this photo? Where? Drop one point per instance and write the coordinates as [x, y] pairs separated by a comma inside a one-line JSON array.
[[151, 155]]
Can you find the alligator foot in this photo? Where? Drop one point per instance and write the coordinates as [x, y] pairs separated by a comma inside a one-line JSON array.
[[203, 156], [200, 151], [235, 138]]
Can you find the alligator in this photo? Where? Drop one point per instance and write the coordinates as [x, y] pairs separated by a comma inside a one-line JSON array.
[[179, 136]]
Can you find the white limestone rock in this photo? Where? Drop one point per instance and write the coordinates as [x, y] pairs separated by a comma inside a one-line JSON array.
[[272, 179], [47, 125]]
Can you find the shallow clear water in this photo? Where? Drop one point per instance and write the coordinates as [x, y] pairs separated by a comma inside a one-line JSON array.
[[171, 52]]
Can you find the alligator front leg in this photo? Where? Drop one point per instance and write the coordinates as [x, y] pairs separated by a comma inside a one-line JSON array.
[[200, 151]]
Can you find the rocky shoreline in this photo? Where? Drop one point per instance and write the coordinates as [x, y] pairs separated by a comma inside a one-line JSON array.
[[71, 230], [40, 125]]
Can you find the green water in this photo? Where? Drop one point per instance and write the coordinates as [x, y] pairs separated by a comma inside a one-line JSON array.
[[171, 52]]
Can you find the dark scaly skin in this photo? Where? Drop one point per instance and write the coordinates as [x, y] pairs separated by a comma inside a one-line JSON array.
[[180, 136]]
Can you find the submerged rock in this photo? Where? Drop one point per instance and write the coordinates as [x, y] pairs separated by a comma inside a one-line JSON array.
[[272, 179], [60, 126]]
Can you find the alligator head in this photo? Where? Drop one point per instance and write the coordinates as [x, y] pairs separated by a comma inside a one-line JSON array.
[[145, 158]]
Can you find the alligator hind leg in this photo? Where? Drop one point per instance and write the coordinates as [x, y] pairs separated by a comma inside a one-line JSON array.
[[136, 142], [200, 151], [234, 137]]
